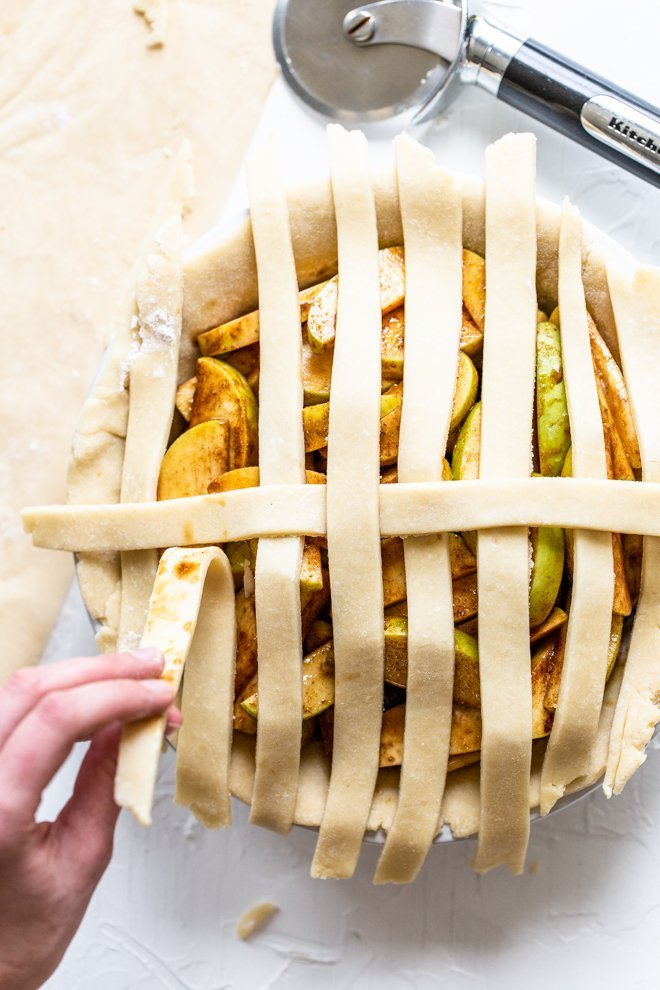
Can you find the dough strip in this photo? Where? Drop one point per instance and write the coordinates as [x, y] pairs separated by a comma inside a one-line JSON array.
[[152, 381], [281, 461], [353, 513], [405, 510], [431, 215], [191, 620], [585, 656], [503, 554], [636, 302]]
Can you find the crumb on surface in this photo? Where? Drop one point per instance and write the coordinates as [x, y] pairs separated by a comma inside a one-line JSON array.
[[254, 919]]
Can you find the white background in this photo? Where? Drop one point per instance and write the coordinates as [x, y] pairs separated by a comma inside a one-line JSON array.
[[587, 911]]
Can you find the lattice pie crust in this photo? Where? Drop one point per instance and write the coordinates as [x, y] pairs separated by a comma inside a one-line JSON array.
[[536, 255]]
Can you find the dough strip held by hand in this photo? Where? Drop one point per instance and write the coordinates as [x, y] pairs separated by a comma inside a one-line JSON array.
[[352, 514], [432, 231], [503, 555], [281, 461], [152, 381], [584, 668], [191, 620], [636, 302]]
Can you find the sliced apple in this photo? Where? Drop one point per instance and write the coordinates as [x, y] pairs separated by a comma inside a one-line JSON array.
[[461, 760], [613, 382], [632, 561], [238, 554], [552, 426], [466, 671], [554, 621], [245, 330], [552, 690], [249, 478], [317, 375], [223, 393], [472, 338], [242, 721], [184, 397], [616, 393], [465, 733], [245, 360], [566, 472], [391, 344], [463, 563], [547, 571], [318, 685], [246, 641], [464, 595], [465, 458], [543, 661], [390, 427], [322, 317], [312, 603], [194, 461], [552, 624], [311, 571], [467, 385], [617, 467], [320, 632], [474, 287], [316, 420]]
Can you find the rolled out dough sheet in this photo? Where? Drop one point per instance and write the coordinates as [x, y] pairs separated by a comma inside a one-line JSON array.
[[89, 119]]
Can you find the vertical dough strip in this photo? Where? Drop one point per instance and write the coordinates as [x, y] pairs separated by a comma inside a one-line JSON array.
[[636, 302], [431, 213], [281, 461], [96, 468], [352, 513], [191, 620], [585, 657], [152, 389], [503, 555]]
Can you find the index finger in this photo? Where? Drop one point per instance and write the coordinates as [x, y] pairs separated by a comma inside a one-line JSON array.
[[26, 688], [41, 743]]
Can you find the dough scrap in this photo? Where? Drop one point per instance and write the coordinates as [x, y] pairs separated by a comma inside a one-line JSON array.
[[281, 461], [584, 668], [432, 231], [191, 620], [352, 513], [507, 396], [254, 919]]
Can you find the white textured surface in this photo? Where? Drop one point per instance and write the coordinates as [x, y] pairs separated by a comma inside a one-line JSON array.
[[587, 911]]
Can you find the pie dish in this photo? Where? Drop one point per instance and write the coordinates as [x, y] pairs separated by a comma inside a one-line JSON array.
[[433, 232]]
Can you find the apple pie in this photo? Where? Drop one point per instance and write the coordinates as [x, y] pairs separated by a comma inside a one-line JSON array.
[[380, 469]]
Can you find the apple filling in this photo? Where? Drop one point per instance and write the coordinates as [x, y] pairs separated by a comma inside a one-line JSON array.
[[217, 451]]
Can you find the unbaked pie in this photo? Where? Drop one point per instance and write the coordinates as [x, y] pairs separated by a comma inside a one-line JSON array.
[[436, 556]]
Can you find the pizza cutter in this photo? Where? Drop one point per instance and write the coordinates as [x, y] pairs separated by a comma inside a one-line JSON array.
[[368, 63]]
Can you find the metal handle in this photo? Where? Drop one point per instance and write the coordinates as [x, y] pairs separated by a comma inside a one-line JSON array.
[[610, 121]]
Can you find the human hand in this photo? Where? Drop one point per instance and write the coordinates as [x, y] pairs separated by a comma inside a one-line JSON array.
[[49, 870]]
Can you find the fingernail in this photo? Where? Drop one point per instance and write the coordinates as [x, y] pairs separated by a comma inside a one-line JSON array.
[[174, 718], [174, 722], [161, 689], [148, 654]]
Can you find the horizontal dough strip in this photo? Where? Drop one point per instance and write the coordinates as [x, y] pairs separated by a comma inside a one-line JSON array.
[[299, 510]]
